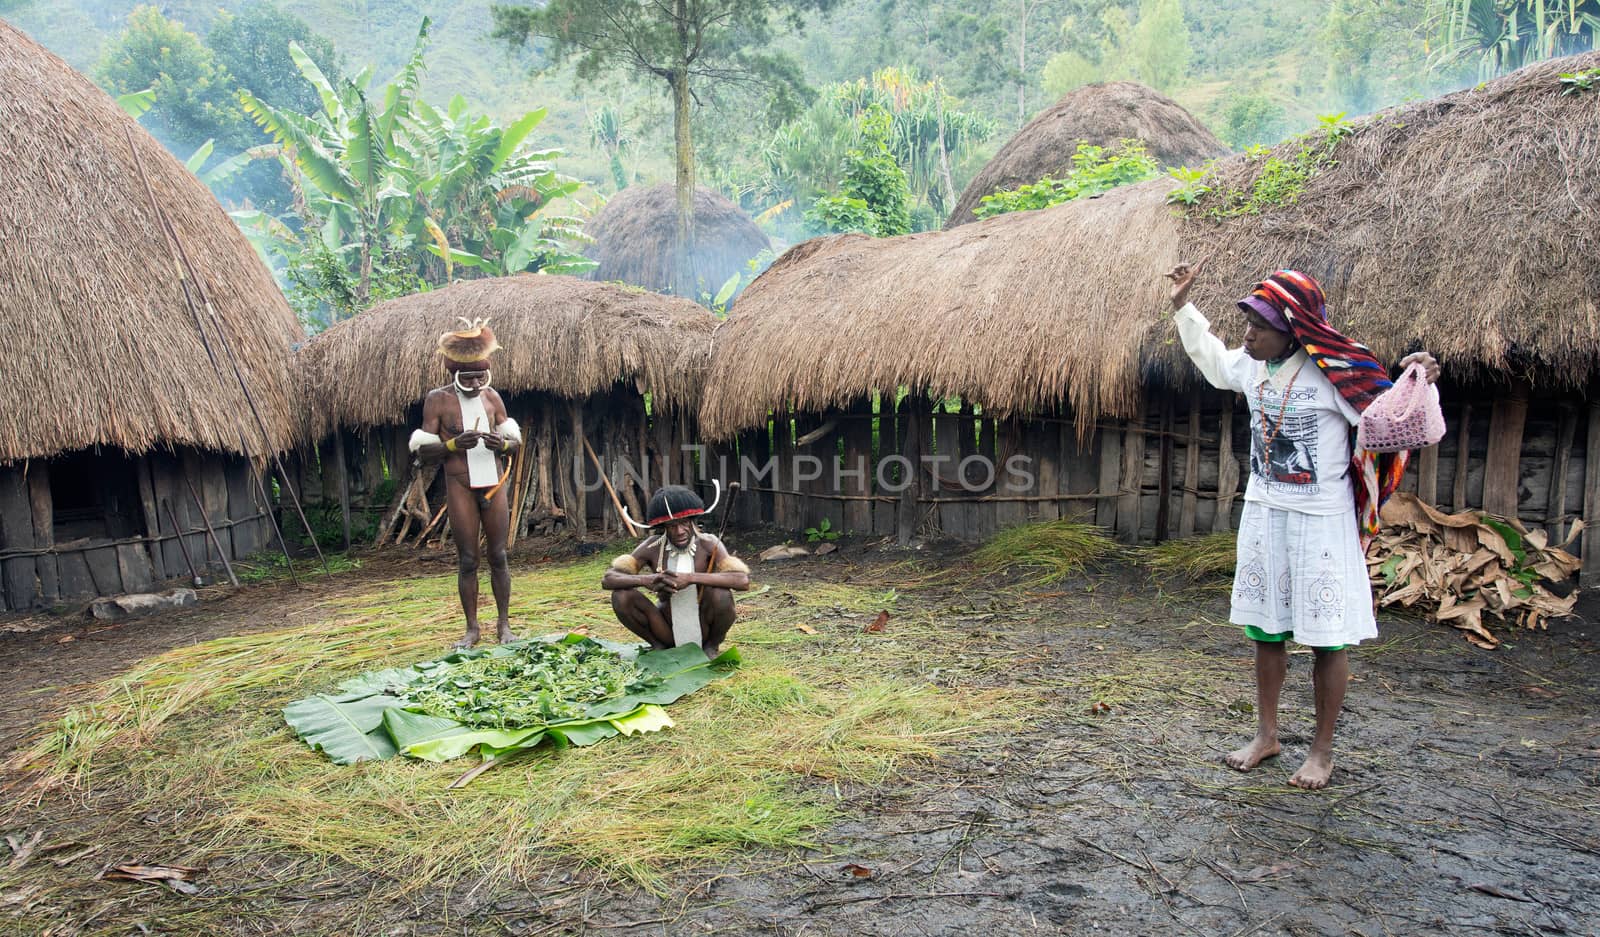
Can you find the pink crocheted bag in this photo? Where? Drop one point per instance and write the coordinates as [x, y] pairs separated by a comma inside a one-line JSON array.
[[1406, 416]]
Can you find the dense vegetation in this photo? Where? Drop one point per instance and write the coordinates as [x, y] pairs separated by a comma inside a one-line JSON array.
[[815, 116]]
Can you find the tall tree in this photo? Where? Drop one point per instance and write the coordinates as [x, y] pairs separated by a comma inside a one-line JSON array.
[[194, 95], [679, 43]]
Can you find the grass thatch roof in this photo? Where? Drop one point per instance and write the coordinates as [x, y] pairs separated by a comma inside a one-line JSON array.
[[100, 348], [635, 232], [1468, 224], [1100, 114], [558, 334]]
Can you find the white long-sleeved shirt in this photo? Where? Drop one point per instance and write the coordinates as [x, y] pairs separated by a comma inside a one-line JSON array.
[[1296, 409]]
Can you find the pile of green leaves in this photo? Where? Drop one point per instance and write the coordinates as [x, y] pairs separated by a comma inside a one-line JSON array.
[[536, 684], [1094, 170]]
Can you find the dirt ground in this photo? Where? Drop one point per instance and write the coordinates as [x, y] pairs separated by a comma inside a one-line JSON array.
[[1464, 800]]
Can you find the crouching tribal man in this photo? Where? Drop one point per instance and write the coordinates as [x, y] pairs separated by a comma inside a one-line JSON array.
[[691, 573], [465, 426]]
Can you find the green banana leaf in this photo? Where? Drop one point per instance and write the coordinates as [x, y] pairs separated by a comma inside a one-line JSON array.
[[364, 720], [346, 731]]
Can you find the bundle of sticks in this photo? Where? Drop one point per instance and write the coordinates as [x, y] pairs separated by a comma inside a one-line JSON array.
[[1460, 568]]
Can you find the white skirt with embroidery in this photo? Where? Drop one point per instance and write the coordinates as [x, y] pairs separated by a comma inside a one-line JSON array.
[[1302, 573]]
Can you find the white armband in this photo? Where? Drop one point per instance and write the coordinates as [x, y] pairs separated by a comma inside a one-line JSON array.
[[420, 438], [510, 430]]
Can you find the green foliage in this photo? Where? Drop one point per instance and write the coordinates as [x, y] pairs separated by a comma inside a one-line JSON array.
[[875, 197], [194, 94], [1246, 115], [721, 303], [1499, 36], [1278, 181], [1579, 82], [823, 531], [535, 683], [395, 195], [1108, 41], [607, 134], [253, 46], [1093, 171]]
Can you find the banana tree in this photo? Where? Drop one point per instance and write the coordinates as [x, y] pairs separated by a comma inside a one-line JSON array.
[[1503, 35], [402, 190]]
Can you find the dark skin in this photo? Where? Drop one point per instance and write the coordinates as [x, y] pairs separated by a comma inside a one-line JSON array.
[[1330, 675], [652, 621], [441, 415]]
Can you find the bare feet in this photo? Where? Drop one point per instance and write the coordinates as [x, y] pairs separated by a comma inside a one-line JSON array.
[[468, 640], [1259, 750], [1314, 774], [502, 632]]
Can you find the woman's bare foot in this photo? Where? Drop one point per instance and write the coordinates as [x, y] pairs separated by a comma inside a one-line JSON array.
[[1314, 774], [1259, 750], [502, 632], [468, 640]]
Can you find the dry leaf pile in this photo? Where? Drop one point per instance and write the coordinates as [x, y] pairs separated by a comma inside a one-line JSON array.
[[1459, 568]]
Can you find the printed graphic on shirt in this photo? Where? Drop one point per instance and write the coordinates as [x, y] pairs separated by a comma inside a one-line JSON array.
[[1283, 447]]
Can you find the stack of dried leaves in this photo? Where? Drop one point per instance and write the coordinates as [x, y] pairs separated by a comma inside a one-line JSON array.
[[1459, 567]]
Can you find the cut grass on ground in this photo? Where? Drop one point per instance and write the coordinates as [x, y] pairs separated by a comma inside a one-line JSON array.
[[761, 759], [1207, 557], [1049, 551]]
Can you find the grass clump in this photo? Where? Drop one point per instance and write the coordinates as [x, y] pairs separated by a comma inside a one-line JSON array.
[[1207, 557], [1051, 550], [763, 758]]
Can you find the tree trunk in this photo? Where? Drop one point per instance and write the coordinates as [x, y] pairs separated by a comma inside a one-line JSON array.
[[1022, 66], [683, 251]]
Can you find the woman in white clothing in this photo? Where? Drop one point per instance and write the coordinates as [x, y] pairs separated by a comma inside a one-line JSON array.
[[1309, 507]]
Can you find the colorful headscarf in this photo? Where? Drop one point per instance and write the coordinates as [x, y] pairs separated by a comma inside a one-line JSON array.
[[1352, 370]]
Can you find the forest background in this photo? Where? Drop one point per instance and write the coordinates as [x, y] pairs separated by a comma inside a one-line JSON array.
[[1254, 71]]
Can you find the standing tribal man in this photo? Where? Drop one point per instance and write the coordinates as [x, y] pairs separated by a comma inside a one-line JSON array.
[[692, 574], [465, 426]]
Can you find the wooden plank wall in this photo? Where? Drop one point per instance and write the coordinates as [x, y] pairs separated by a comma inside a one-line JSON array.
[[37, 571], [1177, 468]]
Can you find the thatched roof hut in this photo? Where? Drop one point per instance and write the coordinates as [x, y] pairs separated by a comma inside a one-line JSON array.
[[115, 425], [1466, 224], [560, 335], [635, 232], [1099, 114], [1470, 224], [577, 361], [102, 349]]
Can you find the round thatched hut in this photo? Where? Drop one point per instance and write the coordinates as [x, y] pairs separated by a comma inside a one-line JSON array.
[[112, 409], [1465, 225], [635, 232], [1099, 114], [616, 367]]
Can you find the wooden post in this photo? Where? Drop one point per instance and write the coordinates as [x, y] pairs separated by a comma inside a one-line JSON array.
[[1191, 471], [905, 521], [1502, 475], [1105, 509], [1591, 501], [579, 508], [1227, 471], [1556, 512], [1164, 471], [43, 509], [1428, 475], [1131, 479], [344, 484], [18, 575], [1458, 491]]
